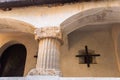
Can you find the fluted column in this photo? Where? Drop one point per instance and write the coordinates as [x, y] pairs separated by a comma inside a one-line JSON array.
[[50, 39]]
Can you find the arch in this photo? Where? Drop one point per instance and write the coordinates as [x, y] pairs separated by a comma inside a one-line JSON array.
[[8, 25], [6, 45], [13, 60], [93, 16]]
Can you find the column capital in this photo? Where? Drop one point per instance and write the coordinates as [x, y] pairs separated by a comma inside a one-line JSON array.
[[48, 32]]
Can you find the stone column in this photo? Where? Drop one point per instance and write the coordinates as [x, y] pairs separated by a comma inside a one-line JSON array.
[[50, 39]]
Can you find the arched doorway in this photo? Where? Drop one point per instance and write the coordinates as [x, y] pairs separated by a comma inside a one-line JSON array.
[[13, 61]]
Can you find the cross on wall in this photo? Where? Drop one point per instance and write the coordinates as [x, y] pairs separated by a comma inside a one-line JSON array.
[[88, 58]]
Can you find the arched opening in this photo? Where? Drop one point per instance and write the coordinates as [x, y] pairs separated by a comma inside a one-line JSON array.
[[12, 61]]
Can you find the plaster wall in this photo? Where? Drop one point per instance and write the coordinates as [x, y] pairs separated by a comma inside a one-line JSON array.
[[116, 39], [7, 39], [41, 16], [101, 42]]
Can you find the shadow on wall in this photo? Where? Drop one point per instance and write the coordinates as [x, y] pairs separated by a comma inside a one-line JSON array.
[[86, 31]]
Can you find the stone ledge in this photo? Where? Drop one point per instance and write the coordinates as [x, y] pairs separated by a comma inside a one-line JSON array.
[[57, 78]]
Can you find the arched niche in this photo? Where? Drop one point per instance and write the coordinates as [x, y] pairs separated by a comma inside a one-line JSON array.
[[12, 60], [84, 29]]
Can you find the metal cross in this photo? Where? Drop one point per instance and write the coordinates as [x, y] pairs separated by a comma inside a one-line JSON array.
[[88, 58]]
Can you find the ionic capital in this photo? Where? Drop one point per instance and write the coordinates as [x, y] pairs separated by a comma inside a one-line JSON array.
[[48, 32]]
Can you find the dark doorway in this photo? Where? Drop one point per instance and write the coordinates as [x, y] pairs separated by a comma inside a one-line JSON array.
[[12, 61]]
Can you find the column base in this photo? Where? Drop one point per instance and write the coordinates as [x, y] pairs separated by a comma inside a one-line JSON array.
[[48, 72]]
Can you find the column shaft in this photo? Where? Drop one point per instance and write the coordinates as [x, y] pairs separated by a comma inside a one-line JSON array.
[[50, 39], [48, 55]]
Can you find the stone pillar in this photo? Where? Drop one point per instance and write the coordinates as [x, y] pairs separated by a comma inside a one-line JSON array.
[[50, 39]]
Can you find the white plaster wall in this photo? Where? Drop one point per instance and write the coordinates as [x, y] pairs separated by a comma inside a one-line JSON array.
[[41, 16]]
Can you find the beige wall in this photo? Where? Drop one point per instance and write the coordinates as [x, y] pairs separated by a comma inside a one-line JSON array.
[[40, 16], [99, 40], [7, 39], [116, 39]]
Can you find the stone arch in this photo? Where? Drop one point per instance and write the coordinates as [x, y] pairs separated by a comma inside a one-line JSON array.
[[9, 24], [6, 45], [94, 16], [90, 17]]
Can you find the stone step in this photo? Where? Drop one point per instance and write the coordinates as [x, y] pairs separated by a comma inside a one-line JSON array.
[[57, 78]]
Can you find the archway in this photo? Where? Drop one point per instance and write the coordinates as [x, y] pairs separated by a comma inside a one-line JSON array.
[[13, 61]]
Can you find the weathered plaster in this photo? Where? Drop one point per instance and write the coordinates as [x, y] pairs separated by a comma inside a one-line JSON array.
[[41, 16]]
